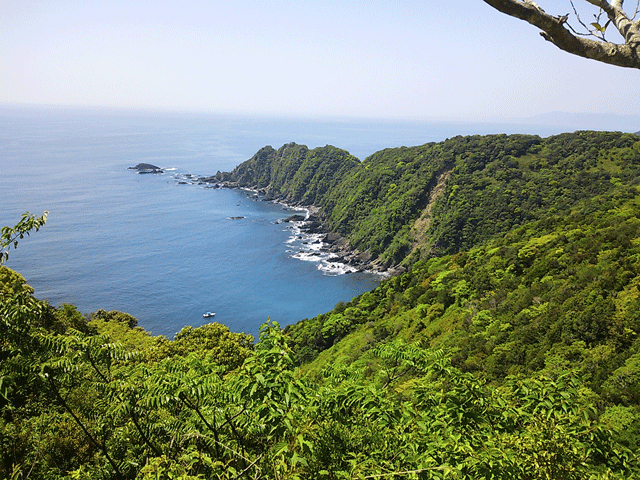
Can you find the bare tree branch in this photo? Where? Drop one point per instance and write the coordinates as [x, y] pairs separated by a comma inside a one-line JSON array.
[[588, 31], [554, 30]]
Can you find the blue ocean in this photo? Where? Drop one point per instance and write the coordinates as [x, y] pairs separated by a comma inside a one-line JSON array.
[[164, 250]]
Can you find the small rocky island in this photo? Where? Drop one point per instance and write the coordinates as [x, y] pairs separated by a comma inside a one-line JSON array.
[[147, 168]]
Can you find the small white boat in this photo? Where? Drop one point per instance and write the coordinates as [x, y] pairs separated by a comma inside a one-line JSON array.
[[209, 314]]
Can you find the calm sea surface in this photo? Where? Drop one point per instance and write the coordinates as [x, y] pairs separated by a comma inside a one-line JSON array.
[[166, 252]]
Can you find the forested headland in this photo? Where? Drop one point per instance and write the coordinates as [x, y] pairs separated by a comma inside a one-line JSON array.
[[507, 348]]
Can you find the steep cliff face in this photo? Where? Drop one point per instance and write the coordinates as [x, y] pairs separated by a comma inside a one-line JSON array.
[[403, 204], [295, 174]]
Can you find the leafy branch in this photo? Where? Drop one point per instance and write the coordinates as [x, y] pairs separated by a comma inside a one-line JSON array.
[[11, 235]]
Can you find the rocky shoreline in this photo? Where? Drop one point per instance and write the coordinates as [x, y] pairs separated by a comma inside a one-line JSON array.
[[312, 225]]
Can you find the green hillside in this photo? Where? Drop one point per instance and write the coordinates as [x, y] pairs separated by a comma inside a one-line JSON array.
[[509, 348], [403, 204], [294, 173]]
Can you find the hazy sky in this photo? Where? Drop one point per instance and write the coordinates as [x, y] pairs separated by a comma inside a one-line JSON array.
[[427, 59]]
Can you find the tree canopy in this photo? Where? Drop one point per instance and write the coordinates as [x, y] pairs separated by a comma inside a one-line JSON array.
[[402, 204], [590, 38]]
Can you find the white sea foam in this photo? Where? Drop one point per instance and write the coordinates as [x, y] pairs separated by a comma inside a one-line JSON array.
[[309, 247], [336, 268], [308, 257]]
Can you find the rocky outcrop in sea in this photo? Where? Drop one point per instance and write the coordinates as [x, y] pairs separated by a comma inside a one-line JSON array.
[[147, 168]]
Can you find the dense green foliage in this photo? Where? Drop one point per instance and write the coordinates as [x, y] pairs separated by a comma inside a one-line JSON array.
[[503, 182], [562, 286], [294, 173], [509, 349], [574, 200], [491, 185], [86, 407]]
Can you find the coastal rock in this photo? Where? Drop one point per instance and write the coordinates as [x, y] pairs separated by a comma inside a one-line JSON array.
[[331, 238], [313, 223], [314, 227], [294, 218], [147, 168]]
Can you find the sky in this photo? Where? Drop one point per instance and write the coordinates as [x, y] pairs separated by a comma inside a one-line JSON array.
[[450, 60]]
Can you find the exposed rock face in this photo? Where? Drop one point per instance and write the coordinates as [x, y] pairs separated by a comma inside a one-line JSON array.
[[219, 178], [315, 227], [420, 228], [147, 168], [294, 218], [344, 253]]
